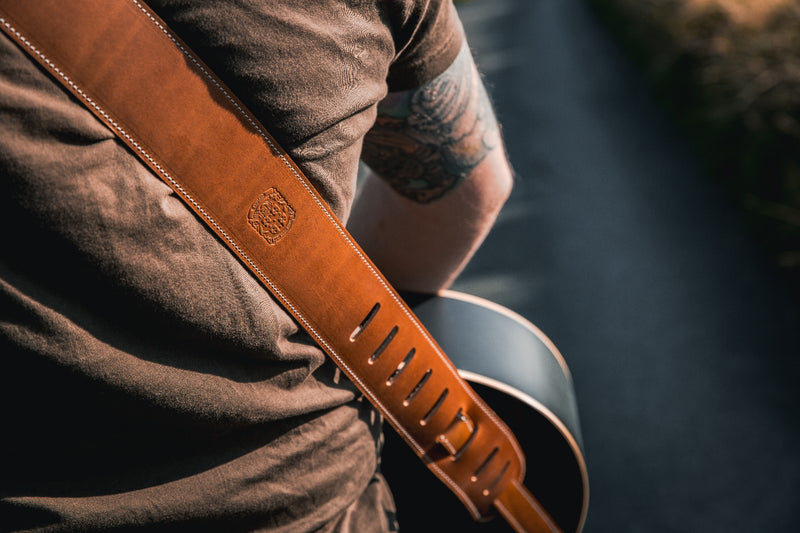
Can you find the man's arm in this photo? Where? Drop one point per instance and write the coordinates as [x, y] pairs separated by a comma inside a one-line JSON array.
[[445, 177]]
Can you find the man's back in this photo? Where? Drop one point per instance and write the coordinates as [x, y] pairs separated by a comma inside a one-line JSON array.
[[154, 382]]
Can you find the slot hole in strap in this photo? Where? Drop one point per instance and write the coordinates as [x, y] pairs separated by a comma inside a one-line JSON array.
[[377, 353], [402, 366], [494, 483], [484, 465], [364, 323], [436, 406], [415, 390], [458, 435]]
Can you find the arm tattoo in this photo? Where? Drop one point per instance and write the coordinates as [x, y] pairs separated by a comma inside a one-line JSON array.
[[427, 140]]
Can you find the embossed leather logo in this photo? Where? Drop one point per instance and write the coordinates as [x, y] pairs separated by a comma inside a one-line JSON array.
[[271, 215]]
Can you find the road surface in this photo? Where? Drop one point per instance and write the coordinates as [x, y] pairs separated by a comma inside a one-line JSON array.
[[681, 336]]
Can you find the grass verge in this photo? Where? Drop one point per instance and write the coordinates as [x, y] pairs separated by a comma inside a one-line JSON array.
[[729, 72]]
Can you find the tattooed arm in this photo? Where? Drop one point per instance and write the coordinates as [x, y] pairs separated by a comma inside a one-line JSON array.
[[444, 175]]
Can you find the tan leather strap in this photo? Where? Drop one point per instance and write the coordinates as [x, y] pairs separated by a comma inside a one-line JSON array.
[[121, 61], [522, 511]]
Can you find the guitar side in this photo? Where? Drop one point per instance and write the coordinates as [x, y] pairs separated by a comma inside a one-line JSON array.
[[522, 376]]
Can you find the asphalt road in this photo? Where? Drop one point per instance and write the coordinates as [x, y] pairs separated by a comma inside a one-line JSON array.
[[681, 336]]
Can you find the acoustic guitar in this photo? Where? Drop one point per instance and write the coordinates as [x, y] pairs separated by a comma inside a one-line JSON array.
[[520, 374]]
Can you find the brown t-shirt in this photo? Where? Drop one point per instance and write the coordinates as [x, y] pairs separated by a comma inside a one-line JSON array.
[[147, 380]]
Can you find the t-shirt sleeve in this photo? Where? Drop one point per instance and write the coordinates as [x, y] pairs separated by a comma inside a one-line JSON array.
[[427, 39]]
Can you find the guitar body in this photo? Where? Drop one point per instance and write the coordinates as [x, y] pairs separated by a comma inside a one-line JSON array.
[[521, 375]]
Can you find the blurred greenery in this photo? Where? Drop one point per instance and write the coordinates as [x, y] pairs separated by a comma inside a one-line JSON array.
[[731, 79]]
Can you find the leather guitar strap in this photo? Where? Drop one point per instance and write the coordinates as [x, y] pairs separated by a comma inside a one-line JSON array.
[[121, 61]]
